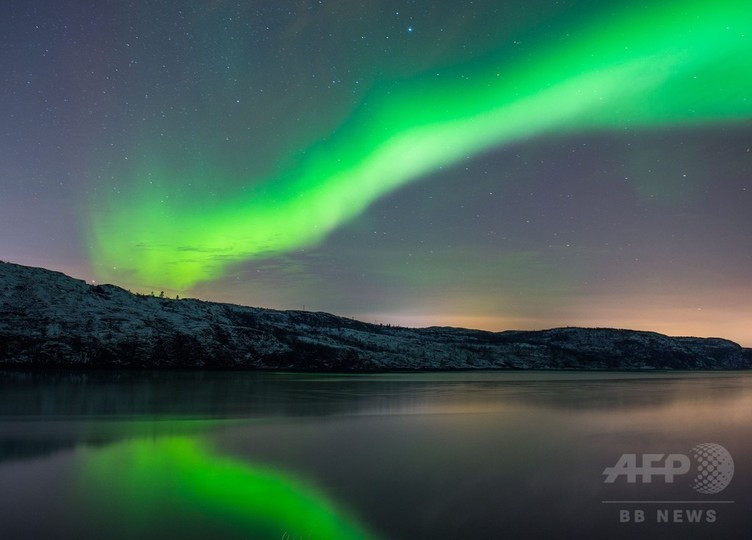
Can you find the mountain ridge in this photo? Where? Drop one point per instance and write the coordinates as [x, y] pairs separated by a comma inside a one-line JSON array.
[[50, 319]]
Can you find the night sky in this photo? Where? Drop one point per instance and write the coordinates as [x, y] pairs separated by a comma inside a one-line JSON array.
[[500, 165]]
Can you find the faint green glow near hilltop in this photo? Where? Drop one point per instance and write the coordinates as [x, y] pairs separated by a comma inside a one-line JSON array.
[[178, 487], [682, 63]]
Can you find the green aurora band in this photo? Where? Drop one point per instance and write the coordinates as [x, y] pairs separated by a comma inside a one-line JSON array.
[[672, 64], [178, 487]]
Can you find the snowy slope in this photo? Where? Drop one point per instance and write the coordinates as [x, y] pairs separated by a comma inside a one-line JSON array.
[[48, 318]]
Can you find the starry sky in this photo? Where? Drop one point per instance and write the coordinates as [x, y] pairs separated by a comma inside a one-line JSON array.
[[496, 165]]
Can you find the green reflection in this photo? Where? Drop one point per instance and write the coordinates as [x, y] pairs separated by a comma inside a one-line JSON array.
[[179, 487]]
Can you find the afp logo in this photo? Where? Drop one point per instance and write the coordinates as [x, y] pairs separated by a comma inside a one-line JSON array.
[[712, 473]]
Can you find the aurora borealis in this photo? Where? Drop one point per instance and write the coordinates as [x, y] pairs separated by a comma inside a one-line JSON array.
[[528, 165]]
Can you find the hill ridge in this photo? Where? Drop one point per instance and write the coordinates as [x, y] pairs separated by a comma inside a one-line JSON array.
[[50, 319]]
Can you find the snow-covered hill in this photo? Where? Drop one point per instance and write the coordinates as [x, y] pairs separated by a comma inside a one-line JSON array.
[[50, 319]]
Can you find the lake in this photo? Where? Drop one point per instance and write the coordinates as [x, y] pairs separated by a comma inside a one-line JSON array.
[[476, 455]]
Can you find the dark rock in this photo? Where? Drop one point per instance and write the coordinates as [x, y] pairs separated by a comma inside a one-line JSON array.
[[50, 319]]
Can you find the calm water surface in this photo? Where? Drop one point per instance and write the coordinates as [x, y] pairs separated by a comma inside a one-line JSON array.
[[392, 456]]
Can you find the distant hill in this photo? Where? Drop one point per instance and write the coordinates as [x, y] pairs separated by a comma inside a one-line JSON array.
[[50, 319]]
